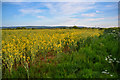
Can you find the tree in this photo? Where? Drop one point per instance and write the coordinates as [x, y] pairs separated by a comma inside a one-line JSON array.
[[18, 28], [75, 27], [21, 28]]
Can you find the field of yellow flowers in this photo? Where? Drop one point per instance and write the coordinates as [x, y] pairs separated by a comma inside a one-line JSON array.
[[26, 47]]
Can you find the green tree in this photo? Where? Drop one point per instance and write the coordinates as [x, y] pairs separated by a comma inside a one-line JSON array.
[[75, 27]]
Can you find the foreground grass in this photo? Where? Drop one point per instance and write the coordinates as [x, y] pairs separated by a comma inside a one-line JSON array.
[[93, 57]]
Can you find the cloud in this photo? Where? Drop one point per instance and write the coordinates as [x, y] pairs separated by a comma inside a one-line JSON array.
[[97, 11], [94, 19], [109, 6], [13, 0], [30, 11], [66, 13], [52, 8], [105, 18], [68, 8], [70, 21], [112, 18], [112, 6], [40, 16], [73, 8], [89, 15]]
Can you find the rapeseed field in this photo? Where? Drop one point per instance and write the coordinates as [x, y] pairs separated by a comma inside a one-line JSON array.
[[57, 53]]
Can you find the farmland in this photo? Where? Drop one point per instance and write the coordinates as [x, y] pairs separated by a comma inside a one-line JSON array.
[[60, 53]]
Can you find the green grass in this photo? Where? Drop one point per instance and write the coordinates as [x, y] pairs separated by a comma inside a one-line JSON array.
[[87, 61]]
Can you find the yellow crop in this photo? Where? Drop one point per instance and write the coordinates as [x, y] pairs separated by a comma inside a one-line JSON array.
[[24, 45]]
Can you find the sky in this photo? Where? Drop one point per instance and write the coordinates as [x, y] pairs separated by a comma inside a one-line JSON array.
[[98, 14], [60, 0]]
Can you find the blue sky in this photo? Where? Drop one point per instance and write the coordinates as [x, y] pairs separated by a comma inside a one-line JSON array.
[[60, 13]]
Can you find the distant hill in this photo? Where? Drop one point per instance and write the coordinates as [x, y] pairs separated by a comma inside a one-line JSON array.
[[48, 27], [39, 27]]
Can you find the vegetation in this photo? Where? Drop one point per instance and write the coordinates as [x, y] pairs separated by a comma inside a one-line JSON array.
[[21, 28], [61, 53], [75, 27]]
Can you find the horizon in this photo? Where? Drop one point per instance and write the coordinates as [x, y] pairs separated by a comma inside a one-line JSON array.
[[92, 14], [61, 25]]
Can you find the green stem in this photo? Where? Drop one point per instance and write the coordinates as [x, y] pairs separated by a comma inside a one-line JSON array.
[[26, 70], [113, 67]]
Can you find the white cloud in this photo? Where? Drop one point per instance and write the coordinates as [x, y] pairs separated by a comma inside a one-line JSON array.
[[52, 8], [13, 0], [73, 8], [40, 16], [97, 11], [112, 6], [109, 6], [70, 21], [89, 15], [68, 8], [112, 18], [94, 19], [30, 11], [65, 13]]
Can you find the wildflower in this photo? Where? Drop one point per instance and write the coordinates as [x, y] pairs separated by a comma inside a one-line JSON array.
[[24, 57], [106, 59], [21, 56], [103, 72], [28, 57], [11, 64], [110, 55], [109, 62], [110, 59], [118, 61], [15, 54], [114, 58], [10, 56]]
